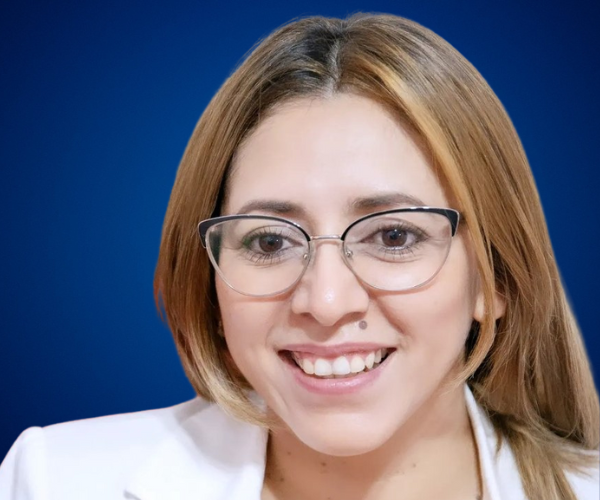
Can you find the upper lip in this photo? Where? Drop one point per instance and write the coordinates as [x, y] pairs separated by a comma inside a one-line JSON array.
[[330, 351]]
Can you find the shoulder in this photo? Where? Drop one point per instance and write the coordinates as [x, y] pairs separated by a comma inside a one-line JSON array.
[[128, 432], [586, 483], [499, 465], [95, 455]]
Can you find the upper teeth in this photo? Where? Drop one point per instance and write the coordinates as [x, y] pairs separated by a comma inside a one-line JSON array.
[[342, 365]]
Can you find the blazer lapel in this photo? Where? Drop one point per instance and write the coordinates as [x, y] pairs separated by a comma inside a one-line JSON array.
[[500, 475], [210, 456]]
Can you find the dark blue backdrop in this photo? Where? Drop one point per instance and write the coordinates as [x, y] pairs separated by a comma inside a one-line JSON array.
[[98, 100]]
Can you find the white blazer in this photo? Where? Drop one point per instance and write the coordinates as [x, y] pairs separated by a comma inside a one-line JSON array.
[[193, 450]]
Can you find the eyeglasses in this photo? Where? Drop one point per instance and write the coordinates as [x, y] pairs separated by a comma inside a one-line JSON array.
[[395, 250]]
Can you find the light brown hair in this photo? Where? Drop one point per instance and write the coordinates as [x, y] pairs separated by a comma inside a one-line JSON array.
[[529, 369]]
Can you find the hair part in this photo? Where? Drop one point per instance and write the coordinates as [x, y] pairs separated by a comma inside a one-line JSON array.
[[529, 369]]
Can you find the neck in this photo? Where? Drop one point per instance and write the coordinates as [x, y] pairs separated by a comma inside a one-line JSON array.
[[431, 456]]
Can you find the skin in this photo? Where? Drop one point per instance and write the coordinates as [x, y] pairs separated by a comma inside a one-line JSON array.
[[409, 431]]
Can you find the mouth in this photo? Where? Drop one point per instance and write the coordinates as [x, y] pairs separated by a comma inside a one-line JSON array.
[[341, 367]]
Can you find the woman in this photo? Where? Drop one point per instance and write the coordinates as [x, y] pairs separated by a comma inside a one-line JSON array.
[[369, 307]]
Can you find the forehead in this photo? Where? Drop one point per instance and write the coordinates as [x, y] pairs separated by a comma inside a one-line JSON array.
[[324, 154]]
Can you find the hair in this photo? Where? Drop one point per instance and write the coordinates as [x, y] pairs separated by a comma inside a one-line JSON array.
[[529, 369]]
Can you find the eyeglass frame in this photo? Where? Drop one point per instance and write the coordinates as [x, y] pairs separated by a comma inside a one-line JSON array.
[[451, 214]]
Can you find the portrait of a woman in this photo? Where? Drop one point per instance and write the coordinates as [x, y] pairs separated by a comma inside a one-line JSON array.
[[359, 280]]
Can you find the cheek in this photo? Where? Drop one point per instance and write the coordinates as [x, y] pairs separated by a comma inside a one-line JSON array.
[[247, 323], [434, 321], [433, 315]]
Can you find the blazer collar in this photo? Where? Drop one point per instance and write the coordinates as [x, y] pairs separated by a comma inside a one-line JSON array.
[[209, 455], [494, 462], [224, 459]]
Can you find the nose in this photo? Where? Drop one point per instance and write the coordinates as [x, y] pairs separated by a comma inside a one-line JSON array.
[[329, 291]]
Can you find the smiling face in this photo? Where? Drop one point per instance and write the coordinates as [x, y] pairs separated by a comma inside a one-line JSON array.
[[323, 163]]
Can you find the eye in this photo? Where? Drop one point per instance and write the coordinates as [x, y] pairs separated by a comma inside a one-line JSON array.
[[388, 238], [269, 243], [395, 237]]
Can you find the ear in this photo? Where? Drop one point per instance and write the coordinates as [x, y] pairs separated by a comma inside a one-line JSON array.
[[499, 305]]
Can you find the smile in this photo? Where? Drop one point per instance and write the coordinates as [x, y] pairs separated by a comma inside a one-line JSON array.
[[342, 366]]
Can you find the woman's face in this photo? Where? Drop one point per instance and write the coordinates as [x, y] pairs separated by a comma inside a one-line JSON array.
[[321, 157]]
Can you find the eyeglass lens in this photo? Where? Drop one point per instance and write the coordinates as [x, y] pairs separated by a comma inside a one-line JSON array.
[[394, 251]]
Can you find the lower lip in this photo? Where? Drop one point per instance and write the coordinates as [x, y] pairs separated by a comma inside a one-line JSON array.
[[337, 386]]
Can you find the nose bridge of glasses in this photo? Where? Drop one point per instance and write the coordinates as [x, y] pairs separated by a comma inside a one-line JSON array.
[[327, 238]]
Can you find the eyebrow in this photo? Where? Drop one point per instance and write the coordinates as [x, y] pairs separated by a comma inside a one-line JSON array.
[[385, 200], [363, 204], [273, 206]]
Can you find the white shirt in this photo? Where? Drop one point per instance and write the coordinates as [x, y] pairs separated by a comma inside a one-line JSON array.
[[193, 450]]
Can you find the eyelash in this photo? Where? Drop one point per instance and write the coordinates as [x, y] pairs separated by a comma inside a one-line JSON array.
[[270, 258], [419, 235], [264, 258]]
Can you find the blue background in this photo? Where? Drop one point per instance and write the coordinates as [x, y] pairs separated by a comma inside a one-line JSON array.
[[98, 100]]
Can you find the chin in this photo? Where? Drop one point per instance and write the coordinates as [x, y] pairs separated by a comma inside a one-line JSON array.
[[344, 435]]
